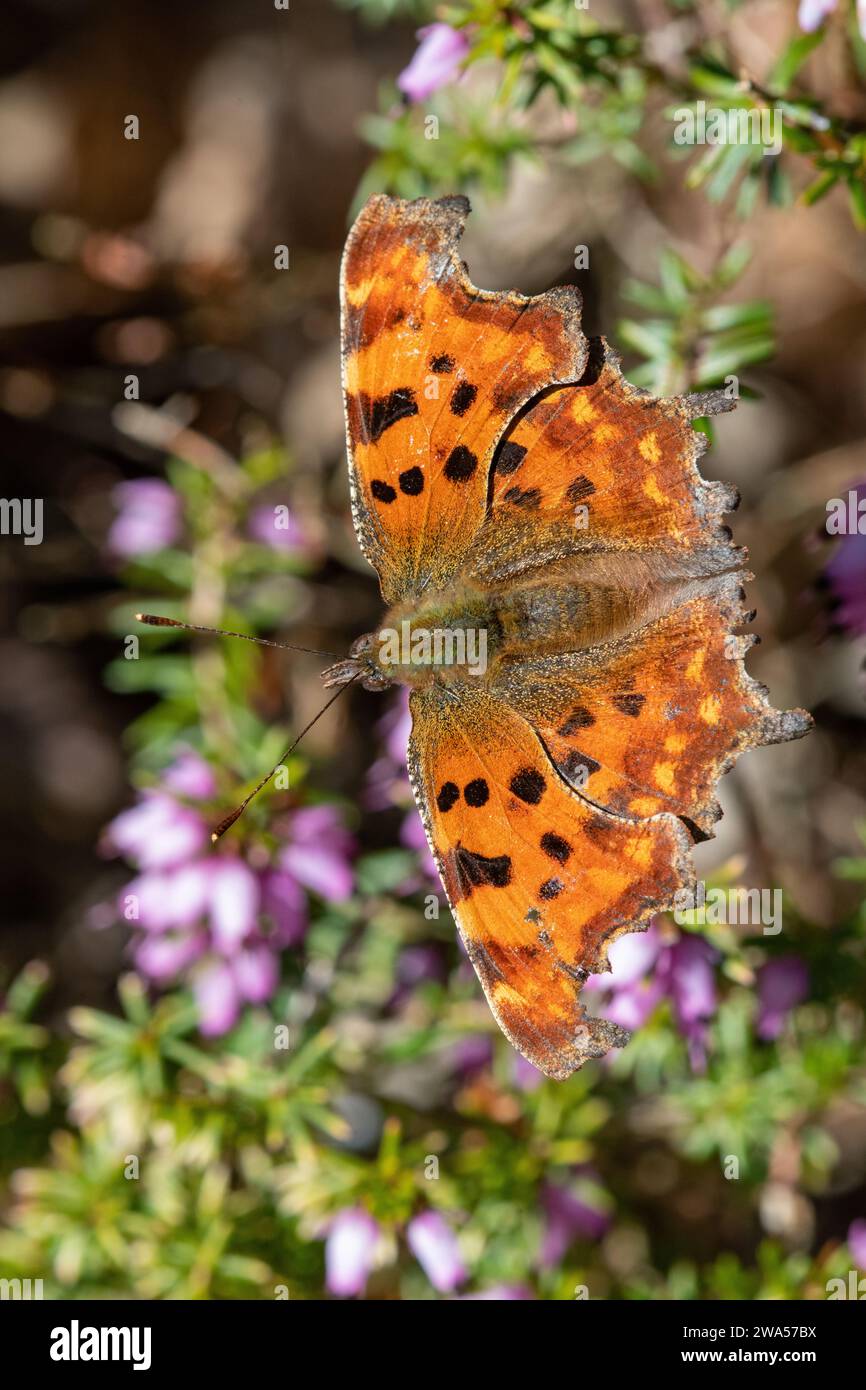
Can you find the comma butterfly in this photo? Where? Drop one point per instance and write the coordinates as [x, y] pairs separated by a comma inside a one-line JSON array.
[[527, 508]]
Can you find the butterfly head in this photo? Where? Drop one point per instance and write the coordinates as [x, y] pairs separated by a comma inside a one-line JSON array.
[[360, 664]]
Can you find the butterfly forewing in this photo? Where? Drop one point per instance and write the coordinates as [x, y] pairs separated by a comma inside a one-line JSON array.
[[433, 372]]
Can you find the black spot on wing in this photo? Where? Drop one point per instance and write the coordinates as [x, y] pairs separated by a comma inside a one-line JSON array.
[[629, 704], [529, 785], [461, 464], [579, 489], [463, 397], [476, 792], [580, 718], [448, 793], [528, 498], [411, 482], [442, 365], [509, 458], [477, 870], [555, 847], [381, 412], [383, 492]]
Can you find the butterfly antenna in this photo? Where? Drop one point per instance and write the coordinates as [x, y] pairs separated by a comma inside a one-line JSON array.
[[154, 620], [230, 819]]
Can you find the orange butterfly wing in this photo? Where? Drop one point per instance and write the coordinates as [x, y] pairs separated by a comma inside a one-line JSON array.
[[538, 880], [433, 372], [650, 722], [601, 467]]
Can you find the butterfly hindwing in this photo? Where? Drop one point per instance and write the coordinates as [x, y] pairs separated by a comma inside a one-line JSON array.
[[434, 370], [649, 722], [539, 881]]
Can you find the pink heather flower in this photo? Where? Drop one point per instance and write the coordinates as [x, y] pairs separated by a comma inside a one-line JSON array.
[[387, 779], [161, 958], [631, 957], [279, 529], [158, 832], [255, 973], [234, 902], [526, 1076], [812, 14], [435, 62], [782, 984], [149, 518], [283, 901], [857, 1242], [318, 853], [687, 972], [434, 1245], [349, 1251], [633, 993], [644, 970], [189, 775], [217, 998], [213, 917], [571, 1213]]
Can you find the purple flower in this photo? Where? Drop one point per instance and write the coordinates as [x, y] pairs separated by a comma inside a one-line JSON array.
[[255, 972], [387, 780], [472, 1055], [161, 958], [631, 957], [857, 1242], [319, 851], [644, 971], [234, 902], [812, 13], [279, 529], [284, 903], [632, 993], [217, 998], [434, 1245], [149, 517], [571, 1213], [189, 775], [175, 898], [158, 832], [686, 969], [526, 1076], [845, 574], [782, 984], [435, 62], [349, 1251], [216, 918]]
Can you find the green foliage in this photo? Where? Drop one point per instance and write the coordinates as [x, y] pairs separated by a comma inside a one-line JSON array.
[[605, 82], [692, 341]]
